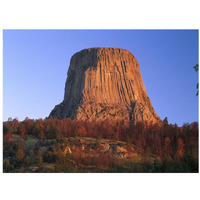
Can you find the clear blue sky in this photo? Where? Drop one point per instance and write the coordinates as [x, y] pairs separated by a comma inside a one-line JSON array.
[[35, 65]]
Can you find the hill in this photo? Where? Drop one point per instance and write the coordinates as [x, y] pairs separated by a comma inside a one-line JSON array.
[[53, 145]]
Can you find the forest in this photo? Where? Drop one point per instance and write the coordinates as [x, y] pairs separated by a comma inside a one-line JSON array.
[[53, 145]]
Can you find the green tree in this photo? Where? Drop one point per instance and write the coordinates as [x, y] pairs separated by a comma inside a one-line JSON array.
[[165, 120], [64, 163], [20, 153], [7, 166], [49, 157], [39, 161], [196, 67], [27, 161]]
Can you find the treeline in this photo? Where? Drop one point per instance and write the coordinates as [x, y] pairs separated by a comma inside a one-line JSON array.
[[166, 141]]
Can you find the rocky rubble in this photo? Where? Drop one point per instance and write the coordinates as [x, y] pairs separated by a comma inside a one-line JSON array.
[[116, 149]]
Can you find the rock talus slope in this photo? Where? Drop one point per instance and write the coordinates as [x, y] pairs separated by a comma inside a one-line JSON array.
[[105, 84]]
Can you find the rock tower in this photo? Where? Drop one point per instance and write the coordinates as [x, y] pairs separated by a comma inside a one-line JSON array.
[[105, 84]]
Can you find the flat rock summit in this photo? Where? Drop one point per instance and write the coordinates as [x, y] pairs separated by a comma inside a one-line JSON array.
[[105, 84]]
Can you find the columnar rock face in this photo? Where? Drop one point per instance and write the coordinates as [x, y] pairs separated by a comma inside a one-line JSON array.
[[105, 84]]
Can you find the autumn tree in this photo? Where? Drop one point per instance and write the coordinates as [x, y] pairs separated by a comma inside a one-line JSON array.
[[15, 125], [77, 154], [22, 130], [167, 147], [180, 149], [28, 123]]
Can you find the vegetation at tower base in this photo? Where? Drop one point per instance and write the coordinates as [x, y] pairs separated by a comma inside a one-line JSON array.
[[53, 145]]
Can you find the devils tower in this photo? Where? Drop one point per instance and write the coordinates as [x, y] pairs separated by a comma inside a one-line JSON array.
[[105, 84]]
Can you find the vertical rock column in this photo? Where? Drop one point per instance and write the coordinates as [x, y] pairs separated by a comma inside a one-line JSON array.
[[105, 84]]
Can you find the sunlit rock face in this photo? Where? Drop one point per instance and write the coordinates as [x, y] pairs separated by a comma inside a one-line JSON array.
[[105, 84]]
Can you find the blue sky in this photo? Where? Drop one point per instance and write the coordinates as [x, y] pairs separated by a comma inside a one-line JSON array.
[[35, 65]]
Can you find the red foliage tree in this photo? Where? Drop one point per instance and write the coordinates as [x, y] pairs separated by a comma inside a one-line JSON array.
[[22, 130], [167, 146], [180, 149]]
